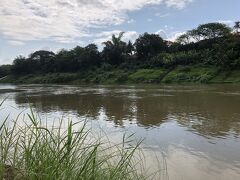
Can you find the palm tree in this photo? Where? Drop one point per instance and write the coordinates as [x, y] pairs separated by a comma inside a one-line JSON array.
[[115, 49], [115, 41]]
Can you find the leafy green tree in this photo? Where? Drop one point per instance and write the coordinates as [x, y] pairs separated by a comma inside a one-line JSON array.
[[77, 57], [213, 30], [130, 48], [149, 45], [19, 65], [42, 55], [195, 34], [66, 61], [115, 50], [90, 57], [5, 70], [45, 60], [184, 38], [237, 27]]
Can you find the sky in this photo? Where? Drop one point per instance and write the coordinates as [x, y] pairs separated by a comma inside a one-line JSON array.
[[30, 25]]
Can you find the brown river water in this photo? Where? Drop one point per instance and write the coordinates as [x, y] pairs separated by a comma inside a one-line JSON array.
[[193, 129]]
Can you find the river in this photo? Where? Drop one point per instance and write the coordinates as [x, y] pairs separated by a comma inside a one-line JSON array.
[[193, 129]]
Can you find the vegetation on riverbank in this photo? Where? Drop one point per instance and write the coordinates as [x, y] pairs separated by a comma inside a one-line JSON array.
[[179, 74], [31, 150], [209, 53]]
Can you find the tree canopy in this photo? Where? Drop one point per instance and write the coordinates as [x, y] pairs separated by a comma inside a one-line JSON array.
[[213, 44], [213, 30], [149, 45]]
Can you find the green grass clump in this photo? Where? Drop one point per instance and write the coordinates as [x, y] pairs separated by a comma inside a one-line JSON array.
[[147, 75], [106, 77], [30, 150], [227, 77], [51, 78], [193, 74]]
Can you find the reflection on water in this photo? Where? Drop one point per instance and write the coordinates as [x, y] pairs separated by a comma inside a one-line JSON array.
[[196, 127]]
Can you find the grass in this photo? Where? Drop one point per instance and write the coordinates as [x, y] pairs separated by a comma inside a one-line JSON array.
[[105, 77], [193, 74], [147, 75], [31, 150], [51, 78], [227, 77], [90, 77]]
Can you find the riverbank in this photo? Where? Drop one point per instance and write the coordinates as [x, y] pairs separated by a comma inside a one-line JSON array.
[[179, 74]]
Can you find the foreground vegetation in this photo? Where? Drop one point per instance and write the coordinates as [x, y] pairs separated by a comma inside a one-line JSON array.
[[208, 53], [31, 150]]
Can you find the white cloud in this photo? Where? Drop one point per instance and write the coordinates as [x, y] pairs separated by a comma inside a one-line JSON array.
[[130, 36], [15, 43], [228, 22], [149, 19], [66, 20], [177, 3], [162, 15], [174, 35], [162, 33], [130, 21], [170, 36], [4, 60]]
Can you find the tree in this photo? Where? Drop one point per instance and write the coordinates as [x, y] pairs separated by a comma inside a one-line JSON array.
[[42, 55], [213, 30], [44, 59], [5, 70], [114, 50], [22, 65], [90, 57], [66, 60], [149, 45], [184, 39], [195, 34], [130, 48], [237, 27]]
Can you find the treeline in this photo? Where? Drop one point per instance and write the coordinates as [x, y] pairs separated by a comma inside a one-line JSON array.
[[212, 44]]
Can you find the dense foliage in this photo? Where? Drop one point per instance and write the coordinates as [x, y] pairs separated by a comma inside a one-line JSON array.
[[212, 44], [5, 70]]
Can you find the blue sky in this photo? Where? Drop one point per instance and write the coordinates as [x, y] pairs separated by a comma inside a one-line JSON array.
[[29, 25]]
